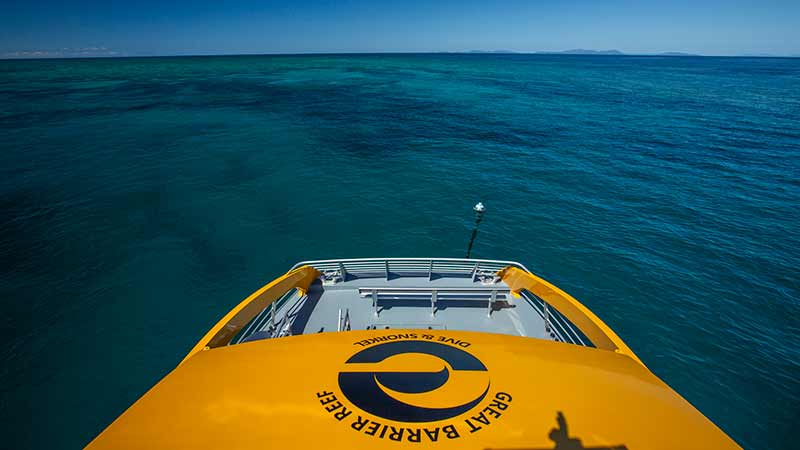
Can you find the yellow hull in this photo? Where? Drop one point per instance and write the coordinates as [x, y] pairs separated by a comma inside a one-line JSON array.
[[407, 388]]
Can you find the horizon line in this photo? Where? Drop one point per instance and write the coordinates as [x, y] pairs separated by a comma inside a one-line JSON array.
[[577, 53]]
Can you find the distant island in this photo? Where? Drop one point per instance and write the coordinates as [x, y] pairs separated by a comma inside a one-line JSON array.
[[490, 51], [583, 51], [677, 54]]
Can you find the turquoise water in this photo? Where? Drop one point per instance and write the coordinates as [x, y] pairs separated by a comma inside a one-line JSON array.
[[140, 199]]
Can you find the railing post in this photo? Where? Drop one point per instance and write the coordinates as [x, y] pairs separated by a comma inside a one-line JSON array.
[[492, 299], [475, 272], [434, 297], [546, 318], [343, 271], [375, 301], [272, 315], [387, 269], [430, 271]]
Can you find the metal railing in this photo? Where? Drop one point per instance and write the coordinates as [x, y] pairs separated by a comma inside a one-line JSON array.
[[386, 294], [422, 267], [237, 319], [269, 320], [557, 326]]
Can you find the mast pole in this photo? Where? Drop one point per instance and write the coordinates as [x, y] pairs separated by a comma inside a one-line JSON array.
[[479, 210]]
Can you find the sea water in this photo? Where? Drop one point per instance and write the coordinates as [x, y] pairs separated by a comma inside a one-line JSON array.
[[140, 199]]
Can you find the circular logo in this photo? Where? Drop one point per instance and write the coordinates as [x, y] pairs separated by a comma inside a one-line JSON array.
[[414, 381]]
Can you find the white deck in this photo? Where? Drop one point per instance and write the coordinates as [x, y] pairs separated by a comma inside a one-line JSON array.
[[411, 294]]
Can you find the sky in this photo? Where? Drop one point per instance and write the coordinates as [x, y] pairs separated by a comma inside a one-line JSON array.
[[63, 28]]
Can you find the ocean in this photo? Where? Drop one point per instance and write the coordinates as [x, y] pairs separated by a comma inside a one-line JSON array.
[[142, 198]]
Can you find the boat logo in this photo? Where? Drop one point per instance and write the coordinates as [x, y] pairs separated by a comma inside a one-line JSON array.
[[414, 381]]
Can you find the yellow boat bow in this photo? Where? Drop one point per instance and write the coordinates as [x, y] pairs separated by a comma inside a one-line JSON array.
[[364, 381]]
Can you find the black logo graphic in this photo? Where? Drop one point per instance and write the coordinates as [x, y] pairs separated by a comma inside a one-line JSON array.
[[373, 384]]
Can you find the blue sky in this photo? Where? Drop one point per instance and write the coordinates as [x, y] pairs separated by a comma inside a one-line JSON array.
[[147, 27]]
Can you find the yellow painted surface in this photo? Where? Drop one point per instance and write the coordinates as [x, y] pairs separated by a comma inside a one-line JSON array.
[[300, 278], [601, 335], [285, 393]]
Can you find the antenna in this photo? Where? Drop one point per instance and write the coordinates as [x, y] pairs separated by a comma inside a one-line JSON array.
[[479, 210]]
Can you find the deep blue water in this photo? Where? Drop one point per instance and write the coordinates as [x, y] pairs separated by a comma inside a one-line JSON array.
[[140, 199]]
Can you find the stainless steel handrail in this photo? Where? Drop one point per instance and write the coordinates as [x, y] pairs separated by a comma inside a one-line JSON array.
[[420, 266], [558, 326], [267, 319], [435, 294]]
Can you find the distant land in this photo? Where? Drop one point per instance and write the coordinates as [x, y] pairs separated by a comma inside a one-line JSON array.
[[763, 55], [583, 51], [677, 54], [615, 52], [489, 51]]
